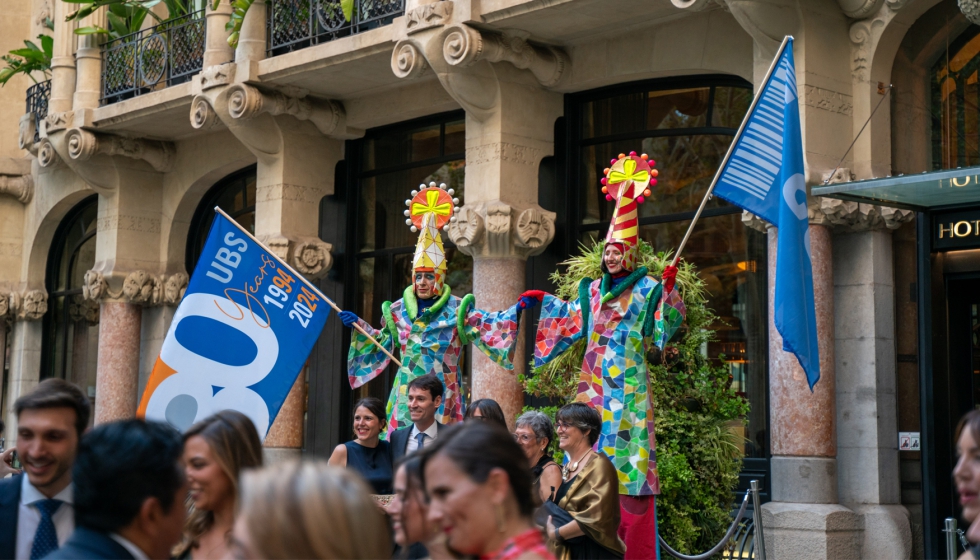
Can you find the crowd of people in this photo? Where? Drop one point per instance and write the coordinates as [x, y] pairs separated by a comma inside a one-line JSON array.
[[139, 489]]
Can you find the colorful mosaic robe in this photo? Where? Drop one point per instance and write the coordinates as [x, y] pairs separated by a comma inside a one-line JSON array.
[[614, 373], [430, 342]]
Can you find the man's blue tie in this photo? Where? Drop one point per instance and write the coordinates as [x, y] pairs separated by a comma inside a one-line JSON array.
[[46, 538], [420, 437]]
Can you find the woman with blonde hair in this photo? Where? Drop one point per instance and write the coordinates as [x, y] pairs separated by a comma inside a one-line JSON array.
[[216, 451], [308, 510]]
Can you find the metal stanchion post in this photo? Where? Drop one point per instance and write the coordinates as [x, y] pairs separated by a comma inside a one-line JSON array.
[[950, 531], [760, 541]]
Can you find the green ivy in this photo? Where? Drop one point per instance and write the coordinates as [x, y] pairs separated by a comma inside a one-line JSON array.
[[698, 454]]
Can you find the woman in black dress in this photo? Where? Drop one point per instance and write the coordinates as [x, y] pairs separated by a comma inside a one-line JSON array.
[[368, 454]]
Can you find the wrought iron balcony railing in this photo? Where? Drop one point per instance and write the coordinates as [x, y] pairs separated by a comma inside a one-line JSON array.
[[37, 104], [155, 58], [295, 24]]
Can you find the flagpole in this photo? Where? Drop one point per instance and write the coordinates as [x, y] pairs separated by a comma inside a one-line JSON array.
[[731, 148], [309, 284]]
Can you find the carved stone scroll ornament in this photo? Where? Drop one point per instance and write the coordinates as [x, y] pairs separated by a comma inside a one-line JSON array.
[[20, 187], [428, 16], [407, 61], [490, 230], [329, 117], [971, 9], [465, 46], [82, 145], [203, 116], [46, 154], [866, 33]]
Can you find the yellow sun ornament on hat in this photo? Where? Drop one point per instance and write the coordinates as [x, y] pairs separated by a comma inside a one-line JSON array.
[[430, 209], [627, 181]]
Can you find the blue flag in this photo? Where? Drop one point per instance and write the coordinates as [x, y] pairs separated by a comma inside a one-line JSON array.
[[239, 337], [765, 176]]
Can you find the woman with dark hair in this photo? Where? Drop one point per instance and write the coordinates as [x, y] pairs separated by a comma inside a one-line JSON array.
[[479, 491], [966, 475], [368, 454], [409, 511], [534, 433], [486, 410], [589, 492], [216, 451]]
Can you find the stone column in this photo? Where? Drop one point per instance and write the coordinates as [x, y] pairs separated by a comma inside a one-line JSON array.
[[804, 519], [285, 438], [119, 361], [25, 348], [218, 51], [63, 61], [88, 65], [252, 38]]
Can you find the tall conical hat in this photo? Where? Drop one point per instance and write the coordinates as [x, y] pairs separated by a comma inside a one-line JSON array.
[[430, 209], [627, 182]]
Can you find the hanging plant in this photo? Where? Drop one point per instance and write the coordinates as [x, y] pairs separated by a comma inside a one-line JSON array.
[[34, 58], [698, 455]]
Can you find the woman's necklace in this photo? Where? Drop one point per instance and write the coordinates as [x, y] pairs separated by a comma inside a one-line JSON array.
[[565, 471]]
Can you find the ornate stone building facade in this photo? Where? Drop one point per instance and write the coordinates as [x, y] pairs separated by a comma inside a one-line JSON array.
[[314, 129]]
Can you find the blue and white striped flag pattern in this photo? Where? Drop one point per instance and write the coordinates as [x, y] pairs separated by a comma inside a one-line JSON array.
[[765, 176]]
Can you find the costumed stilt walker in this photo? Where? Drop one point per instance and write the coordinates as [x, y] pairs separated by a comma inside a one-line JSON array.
[[619, 314], [428, 324]]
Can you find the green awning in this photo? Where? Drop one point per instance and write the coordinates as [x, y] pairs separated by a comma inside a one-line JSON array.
[[921, 192]]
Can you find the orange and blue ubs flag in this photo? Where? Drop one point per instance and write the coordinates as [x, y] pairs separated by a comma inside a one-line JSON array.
[[238, 339]]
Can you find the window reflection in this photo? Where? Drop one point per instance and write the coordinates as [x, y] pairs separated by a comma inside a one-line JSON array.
[[955, 102], [71, 325], [687, 131], [235, 194]]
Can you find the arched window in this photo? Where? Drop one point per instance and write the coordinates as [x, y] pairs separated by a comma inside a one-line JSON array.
[[235, 194], [71, 334], [956, 104]]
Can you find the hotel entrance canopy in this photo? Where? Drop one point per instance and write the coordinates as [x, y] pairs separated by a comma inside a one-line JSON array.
[[922, 192]]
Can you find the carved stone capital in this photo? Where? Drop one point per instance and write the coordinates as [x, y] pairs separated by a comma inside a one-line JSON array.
[[83, 144], [465, 46], [495, 229], [329, 117], [139, 287], [26, 131], [5, 309], [20, 187], [846, 216], [428, 16], [94, 286], [28, 306], [310, 256], [85, 310], [971, 9], [174, 287]]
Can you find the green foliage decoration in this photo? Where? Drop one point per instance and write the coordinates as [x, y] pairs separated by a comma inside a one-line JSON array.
[[33, 59], [126, 16], [698, 454]]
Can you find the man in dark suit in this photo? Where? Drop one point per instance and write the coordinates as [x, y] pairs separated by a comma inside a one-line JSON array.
[[424, 398], [36, 506], [129, 492]]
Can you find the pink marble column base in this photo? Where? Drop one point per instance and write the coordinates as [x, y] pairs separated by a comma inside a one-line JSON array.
[[117, 375], [804, 423], [497, 283], [287, 430]]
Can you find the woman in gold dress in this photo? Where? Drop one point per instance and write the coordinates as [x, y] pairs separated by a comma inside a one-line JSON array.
[[589, 491]]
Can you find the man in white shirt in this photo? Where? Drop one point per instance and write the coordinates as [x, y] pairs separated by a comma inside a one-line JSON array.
[[37, 506], [130, 490], [424, 398]]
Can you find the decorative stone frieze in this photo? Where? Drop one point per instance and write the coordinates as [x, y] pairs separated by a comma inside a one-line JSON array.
[[27, 306], [971, 9], [139, 287], [246, 102], [83, 144], [310, 256], [495, 229], [465, 46], [216, 76], [58, 121], [428, 16], [20, 187], [843, 216]]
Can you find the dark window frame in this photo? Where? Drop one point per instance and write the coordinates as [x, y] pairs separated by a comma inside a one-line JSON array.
[[204, 213]]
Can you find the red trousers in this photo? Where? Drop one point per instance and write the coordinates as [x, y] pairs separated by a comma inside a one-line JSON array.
[[638, 527]]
